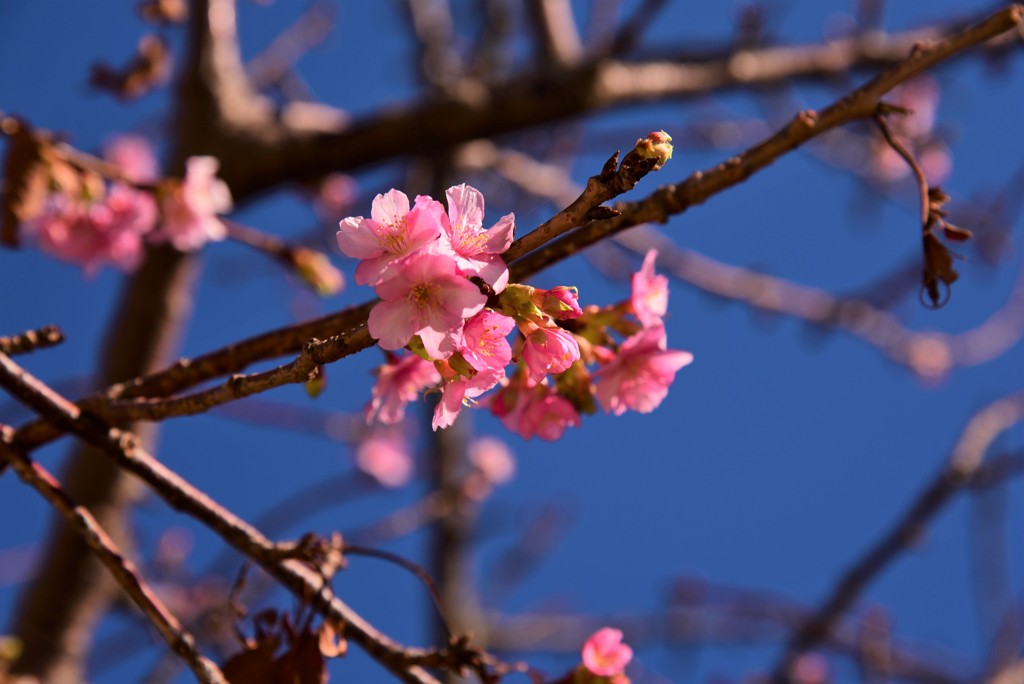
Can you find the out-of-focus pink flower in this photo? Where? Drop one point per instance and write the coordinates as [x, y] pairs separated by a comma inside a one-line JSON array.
[[921, 96], [493, 459], [936, 163], [810, 668], [640, 375], [477, 250], [547, 415], [650, 292], [334, 195], [533, 410], [392, 231], [92, 234], [604, 654], [424, 294], [385, 457], [398, 382], [917, 131], [561, 303], [549, 350], [189, 209], [134, 156]]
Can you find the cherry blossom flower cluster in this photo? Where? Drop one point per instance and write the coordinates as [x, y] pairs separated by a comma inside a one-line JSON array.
[[90, 224], [604, 659], [446, 297]]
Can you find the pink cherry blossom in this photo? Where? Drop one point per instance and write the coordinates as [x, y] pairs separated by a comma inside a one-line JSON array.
[[533, 410], [334, 194], [385, 457], [604, 654], [547, 415], [650, 292], [190, 208], [92, 234], [493, 459], [484, 344], [399, 382], [486, 350], [134, 156], [640, 375], [424, 294], [561, 303], [477, 250], [392, 231], [549, 350], [456, 394]]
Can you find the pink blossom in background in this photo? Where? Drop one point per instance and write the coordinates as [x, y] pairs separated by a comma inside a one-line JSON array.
[[917, 131], [92, 234], [493, 459], [134, 156], [810, 668], [921, 96], [334, 195], [549, 350], [477, 250], [534, 410], [604, 654], [650, 292], [385, 457], [393, 230], [398, 382], [640, 375], [189, 210], [547, 415], [424, 294]]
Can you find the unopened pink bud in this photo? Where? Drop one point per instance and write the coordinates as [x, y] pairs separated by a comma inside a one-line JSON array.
[[657, 145]]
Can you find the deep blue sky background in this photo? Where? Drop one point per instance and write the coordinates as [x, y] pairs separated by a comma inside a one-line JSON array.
[[778, 455]]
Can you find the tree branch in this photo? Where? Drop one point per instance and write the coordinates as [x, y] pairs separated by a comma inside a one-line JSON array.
[[31, 340], [964, 462], [260, 157], [123, 448], [178, 638], [862, 103]]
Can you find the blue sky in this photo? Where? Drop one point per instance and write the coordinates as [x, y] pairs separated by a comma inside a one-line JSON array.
[[778, 456]]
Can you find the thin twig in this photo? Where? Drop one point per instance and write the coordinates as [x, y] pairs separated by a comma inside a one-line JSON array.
[[982, 429], [31, 340], [178, 638], [862, 103], [555, 32], [902, 151], [123, 448]]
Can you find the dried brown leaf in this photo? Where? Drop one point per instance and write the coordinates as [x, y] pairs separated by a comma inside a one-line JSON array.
[[332, 643], [938, 267], [25, 179]]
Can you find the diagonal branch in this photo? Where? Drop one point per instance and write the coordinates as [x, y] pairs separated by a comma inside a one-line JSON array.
[[178, 638], [862, 103], [966, 459], [31, 340], [125, 451], [299, 148]]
